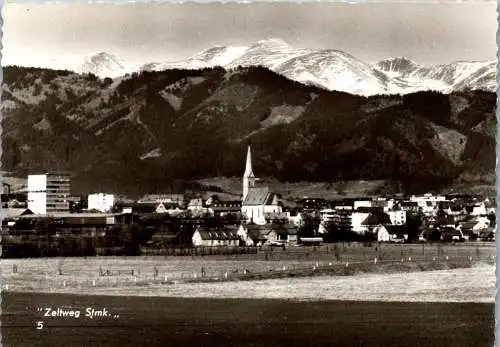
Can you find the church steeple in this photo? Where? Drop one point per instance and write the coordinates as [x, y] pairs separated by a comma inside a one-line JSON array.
[[248, 167], [248, 176]]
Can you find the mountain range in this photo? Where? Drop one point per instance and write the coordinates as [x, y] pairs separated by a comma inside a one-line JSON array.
[[330, 69], [142, 132]]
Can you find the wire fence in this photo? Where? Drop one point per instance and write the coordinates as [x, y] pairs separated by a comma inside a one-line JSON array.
[[123, 272]]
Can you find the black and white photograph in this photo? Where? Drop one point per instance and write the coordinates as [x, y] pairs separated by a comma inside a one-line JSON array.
[[248, 174]]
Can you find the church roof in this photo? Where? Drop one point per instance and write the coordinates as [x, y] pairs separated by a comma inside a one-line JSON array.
[[377, 218], [258, 196]]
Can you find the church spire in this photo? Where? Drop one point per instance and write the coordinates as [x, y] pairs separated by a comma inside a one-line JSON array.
[[248, 176], [248, 167]]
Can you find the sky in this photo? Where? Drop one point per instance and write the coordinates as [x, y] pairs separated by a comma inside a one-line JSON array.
[[429, 33]]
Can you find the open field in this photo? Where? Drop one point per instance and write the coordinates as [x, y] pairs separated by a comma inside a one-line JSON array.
[[473, 284], [154, 321], [174, 276], [448, 307]]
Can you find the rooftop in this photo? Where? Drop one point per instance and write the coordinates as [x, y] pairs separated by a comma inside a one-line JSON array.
[[258, 196]]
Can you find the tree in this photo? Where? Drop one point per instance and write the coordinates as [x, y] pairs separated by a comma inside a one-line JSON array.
[[492, 218], [131, 240], [308, 226], [331, 231], [414, 225], [107, 81]]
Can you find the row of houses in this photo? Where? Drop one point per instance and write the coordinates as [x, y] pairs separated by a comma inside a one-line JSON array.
[[427, 204], [257, 214], [246, 235]]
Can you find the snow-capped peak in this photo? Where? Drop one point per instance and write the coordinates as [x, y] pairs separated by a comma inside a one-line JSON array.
[[274, 44], [328, 68], [103, 64], [220, 55], [397, 64]]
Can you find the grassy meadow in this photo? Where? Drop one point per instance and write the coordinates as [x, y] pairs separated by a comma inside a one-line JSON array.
[[74, 274]]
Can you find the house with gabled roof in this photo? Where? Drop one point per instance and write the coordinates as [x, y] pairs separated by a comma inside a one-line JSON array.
[[253, 234], [213, 237], [272, 233], [382, 233], [364, 222], [12, 213], [170, 208], [471, 227]]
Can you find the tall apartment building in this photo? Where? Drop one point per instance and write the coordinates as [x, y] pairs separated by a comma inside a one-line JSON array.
[[49, 193]]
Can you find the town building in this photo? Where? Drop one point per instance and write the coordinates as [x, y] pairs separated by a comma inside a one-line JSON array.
[[272, 233], [49, 193], [223, 208], [178, 199], [211, 237], [382, 233], [260, 203], [428, 203], [197, 207], [172, 209], [100, 202], [390, 233], [397, 217], [360, 203], [313, 204]]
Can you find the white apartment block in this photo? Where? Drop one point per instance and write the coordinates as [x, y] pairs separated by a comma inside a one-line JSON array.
[[48, 193], [101, 202]]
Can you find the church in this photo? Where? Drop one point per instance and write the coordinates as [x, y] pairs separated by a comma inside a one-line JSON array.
[[258, 202]]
